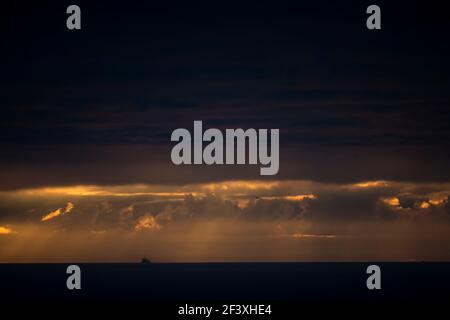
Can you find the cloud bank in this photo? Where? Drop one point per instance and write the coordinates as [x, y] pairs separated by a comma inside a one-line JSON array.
[[231, 220]]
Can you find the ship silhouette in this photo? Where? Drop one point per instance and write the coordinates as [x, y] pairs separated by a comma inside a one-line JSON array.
[[145, 260]]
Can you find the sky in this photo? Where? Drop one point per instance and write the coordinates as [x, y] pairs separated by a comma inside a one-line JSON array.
[[86, 119]]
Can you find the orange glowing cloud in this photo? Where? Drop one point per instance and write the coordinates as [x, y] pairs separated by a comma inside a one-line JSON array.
[[97, 191], [370, 184], [58, 212], [424, 205], [298, 197], [391, 201], [438, 201], [240, 185], [6, 230], [147, 222]]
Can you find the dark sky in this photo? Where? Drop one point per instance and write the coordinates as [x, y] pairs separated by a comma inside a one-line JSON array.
[[97, 106]]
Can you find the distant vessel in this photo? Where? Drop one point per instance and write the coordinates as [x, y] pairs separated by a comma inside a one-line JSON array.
[[145, 260]]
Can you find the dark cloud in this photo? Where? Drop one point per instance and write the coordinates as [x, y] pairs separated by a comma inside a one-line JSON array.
[[98, 106]]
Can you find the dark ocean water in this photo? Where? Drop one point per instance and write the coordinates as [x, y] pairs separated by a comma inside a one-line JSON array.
[[226, 281]]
